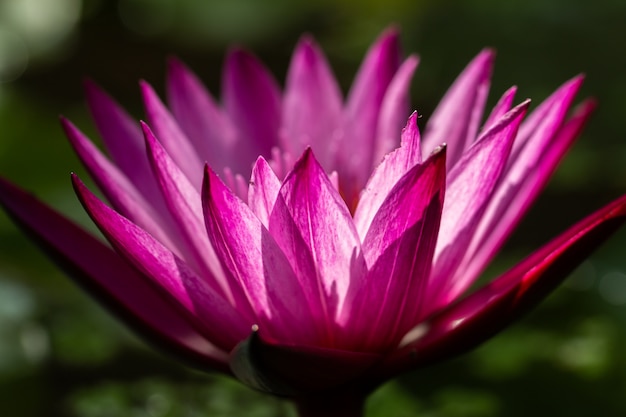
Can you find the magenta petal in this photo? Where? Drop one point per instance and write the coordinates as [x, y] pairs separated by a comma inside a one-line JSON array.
[[123, 140], [184, 202], [516, 192], [399, 246], [363, 105], [313, 227], [203, 122], [120, 288], [458, 115], [387, 174], [312, 105], [252, 259], [253, 102], [393, 110], [488, 310], [263, 191], [171, 136], [501, 108], [213, 315], [298, 370], [470, 185]]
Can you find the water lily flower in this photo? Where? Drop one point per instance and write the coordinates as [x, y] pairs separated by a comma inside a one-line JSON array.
[[348, 255]]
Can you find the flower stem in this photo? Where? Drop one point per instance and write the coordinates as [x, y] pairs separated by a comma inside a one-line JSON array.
[[347, 406]]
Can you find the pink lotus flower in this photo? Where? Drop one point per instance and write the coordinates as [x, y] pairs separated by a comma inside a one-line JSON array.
[[326, 274]]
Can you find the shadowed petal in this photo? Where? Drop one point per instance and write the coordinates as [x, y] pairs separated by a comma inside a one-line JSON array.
[[211, 132], [399, 245], [120, 288], [470, 184], [312, 105], [263, 191], [387, 174], [393, 110], [215, 317], [457, 117], [487, 311], [171, 136], [362, 108], [313, 227], [291, 370], [252, 100], [251, 258]]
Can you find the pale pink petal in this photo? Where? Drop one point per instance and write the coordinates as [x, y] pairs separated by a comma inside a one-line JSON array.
[[470, 184], [313, 227], [385, 176], [253, 260], [263, 191], [394, 110], [171, 136], [112, 281], [458, 115], [399, 247], [355, 154], [252, 100], [312, 105], [215, 317], [212, 134]]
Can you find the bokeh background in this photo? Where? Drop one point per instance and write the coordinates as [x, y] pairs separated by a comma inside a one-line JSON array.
[[62, 355]]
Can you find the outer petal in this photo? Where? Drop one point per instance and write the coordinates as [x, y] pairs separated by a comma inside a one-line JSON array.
[[119, 287], [171, 136], [458, 115], [362, 109], [312, 105], [252, 99], [213, 135], [215, 317], [313, 227], [490, 309], [251, 258], [399, 246], [393, 110], [470, 185], [124, 142], [520, 186], [263, 191], [387, 174]]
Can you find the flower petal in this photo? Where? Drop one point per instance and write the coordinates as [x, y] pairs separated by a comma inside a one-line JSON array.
[[361, 113], [107, 277], [185, 206], [312, 104], [387, 174], [456, 119], [501, 108], [393, 110], [213, 135], [519, 187], [470, 184], [313, 227], [399, 245], [213, 315], [252, 259], [490, 309], [252, 100], [171, 136], [263, 191], [124, 142]]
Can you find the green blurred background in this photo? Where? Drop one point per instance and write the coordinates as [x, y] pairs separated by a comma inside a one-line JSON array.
[[61, 355]]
